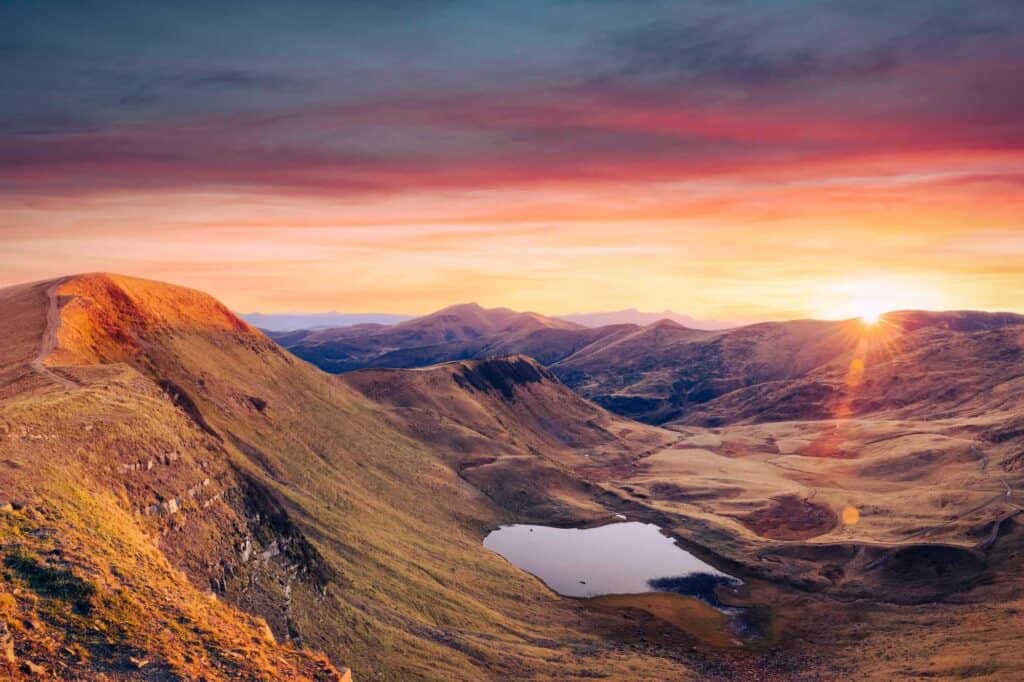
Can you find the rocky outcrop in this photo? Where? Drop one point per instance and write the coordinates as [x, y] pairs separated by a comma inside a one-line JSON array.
[[501, 374]]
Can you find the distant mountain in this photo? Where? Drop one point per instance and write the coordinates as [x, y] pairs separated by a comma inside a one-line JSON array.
[[458, 332], [668, 372], [282, 322], [285, 322], [634, 316], [911, 364]]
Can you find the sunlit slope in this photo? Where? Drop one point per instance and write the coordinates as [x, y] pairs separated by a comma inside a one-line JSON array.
[[192, 442], [909, 364], [87, 588]]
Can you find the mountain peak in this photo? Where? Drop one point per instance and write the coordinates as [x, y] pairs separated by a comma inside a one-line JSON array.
[[456, 308], [103, 317], [666, 323]]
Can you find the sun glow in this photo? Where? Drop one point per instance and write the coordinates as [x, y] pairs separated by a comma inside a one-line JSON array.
[[869, 299], [870, 315], [868, 309]]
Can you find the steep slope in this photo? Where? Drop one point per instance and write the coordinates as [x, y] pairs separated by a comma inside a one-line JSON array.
[[86, 590], [228, 478], [512, 429]]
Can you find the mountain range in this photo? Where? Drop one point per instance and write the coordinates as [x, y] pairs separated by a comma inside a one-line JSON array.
[[182, 498], [634, 316], [665, 373], [283, 322]]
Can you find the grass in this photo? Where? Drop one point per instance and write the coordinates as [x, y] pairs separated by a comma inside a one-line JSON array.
[[52, 582]]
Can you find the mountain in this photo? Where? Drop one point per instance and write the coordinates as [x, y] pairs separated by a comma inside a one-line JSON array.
[[509, 427], [183, 499], [911, 363], [286, 322], [454, 333], [634, 316], [669, 373], [282, 322]]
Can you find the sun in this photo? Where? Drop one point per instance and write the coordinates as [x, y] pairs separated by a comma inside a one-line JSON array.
[[870, 317], [868, 309]]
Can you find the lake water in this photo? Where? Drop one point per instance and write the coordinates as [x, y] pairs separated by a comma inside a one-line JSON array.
[[620, 558]]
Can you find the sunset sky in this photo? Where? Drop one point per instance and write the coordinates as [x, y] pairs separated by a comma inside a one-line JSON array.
[[726, 159]]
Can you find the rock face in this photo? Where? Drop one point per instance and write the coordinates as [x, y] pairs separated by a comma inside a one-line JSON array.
[[6, 644], [502, 375]]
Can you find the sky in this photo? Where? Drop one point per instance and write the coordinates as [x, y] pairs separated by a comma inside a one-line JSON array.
[[728, 159]]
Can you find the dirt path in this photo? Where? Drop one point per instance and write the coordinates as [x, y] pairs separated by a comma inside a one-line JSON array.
[[49, 340]]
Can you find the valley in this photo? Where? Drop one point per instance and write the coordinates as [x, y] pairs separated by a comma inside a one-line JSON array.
[[184, 498]]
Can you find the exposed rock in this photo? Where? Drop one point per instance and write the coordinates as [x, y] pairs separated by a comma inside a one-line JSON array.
[[258, 403], [34, 669], [502, 374], [6, 644]]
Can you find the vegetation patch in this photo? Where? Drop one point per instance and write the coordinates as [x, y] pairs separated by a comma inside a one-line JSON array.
[[791, 518], [52, 581]]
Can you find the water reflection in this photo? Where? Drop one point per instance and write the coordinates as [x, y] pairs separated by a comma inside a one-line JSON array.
[[620, 558], [703, 586]]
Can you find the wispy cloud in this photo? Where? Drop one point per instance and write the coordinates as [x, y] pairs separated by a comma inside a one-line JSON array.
[[518, 146]]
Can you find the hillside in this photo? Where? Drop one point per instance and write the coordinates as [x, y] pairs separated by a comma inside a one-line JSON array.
[[898, 534], [509, 427], [909, 365], [232, 482]]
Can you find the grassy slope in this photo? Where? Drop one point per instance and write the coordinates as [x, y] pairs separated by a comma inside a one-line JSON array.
[[369, 547], [84, 586], [513, 430]]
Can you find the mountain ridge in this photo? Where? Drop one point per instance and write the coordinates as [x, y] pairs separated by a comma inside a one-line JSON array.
[[221, 471], [634, 316], [664, 372]]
